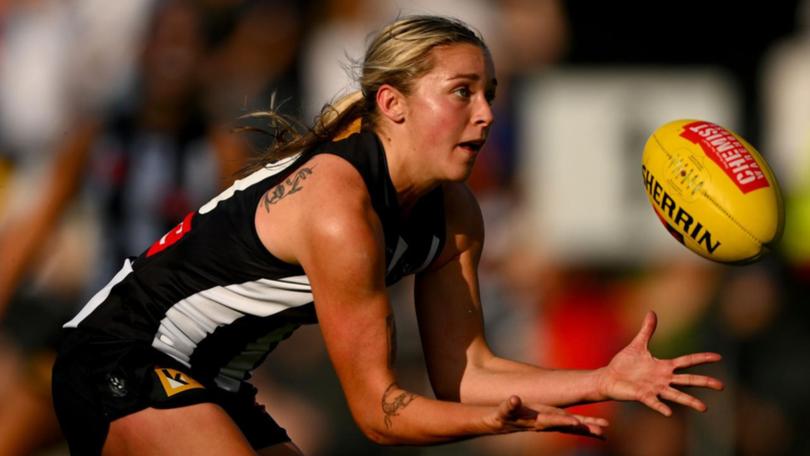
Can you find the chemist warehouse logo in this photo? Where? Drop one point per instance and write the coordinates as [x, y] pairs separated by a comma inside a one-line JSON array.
[[723, 148], [683, 220], [174, 381]]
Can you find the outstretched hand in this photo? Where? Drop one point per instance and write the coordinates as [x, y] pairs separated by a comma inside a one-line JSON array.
[[635, 375], [512, 416]]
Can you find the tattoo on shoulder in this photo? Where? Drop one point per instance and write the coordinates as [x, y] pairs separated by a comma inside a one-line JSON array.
[[290, 185], [393, 403]]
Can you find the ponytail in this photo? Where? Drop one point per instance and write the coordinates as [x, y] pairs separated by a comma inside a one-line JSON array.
[[336, 121]]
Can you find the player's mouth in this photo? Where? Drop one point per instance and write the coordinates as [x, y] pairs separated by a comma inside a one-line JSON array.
[[473, 146]]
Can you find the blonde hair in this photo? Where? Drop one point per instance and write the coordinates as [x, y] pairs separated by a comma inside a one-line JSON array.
[[398, 54]]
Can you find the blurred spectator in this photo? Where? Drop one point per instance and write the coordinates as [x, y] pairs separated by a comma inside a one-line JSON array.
[[126, 177], [762, 318], [529, 36], [764, 310], [257, 62], [57, 59], [254, 62], [335, 42], [786, 99]]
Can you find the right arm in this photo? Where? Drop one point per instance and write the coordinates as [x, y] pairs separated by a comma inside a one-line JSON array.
[[332, 231]]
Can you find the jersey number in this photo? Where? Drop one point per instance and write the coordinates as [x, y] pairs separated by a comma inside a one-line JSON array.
[[172, 236]]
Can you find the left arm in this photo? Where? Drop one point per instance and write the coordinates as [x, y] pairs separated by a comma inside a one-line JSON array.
[[462, 367]]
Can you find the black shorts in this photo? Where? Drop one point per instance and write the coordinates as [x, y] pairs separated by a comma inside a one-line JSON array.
[[97, 380]]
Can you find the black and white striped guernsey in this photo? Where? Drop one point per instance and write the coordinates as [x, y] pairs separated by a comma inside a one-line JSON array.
[[211, 296]]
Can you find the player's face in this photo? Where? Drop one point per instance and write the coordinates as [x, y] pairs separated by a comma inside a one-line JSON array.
[[449, 110]]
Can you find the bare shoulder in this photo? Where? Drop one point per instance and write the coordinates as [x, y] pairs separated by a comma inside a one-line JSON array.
[[465, 224], [324, 197], [332, 182], [462, 209]]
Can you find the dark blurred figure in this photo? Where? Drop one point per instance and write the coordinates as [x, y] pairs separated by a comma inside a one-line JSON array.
[[129, 176], [334, 45], [765, 309], [763, 317], [534, 37], [52, 71], [256, 64]]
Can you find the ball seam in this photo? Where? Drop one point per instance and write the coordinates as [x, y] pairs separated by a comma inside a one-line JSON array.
[[713, 201], [731, 217]]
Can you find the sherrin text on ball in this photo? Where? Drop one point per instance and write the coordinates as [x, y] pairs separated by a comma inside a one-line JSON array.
[[712, 191]]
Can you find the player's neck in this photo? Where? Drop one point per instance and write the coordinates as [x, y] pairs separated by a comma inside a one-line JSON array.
[[408, 175]]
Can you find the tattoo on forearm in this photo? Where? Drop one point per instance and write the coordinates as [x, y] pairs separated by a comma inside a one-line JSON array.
[[391, 328], [288, 187], [392, 406]]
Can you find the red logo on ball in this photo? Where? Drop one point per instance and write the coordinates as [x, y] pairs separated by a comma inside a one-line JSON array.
[[731, 156]]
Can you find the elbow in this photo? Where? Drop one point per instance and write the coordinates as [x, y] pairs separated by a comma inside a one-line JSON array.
[[379, 435], [385, 426], [374, 427]]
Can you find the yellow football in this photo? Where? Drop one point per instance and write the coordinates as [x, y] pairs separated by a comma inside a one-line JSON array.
[[712, 190]]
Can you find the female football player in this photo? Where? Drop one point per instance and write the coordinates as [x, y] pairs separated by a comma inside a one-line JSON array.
[[158, 360]]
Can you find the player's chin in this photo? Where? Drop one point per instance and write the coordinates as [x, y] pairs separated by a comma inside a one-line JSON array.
[[460, 173], [460, 170]]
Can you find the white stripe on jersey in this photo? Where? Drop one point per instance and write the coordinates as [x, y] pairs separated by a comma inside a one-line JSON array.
[[257, 176], [402, 246], [230, 377], [434, 245], [192, 319], [99, 297]]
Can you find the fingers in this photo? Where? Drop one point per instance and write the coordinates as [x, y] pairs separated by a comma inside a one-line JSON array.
[[595, 432], [586, 430], [592, 420], [652, 401], [510, 407], [696, 359], [697, 380], [647, 329], [553, 417], [558, 420], [512, 416], [588, 426], [545, 421], [679, 397]]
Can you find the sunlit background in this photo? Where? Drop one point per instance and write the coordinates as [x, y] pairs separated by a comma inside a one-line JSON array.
[[115, 119]]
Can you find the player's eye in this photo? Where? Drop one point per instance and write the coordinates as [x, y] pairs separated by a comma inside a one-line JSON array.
[[463, 92]]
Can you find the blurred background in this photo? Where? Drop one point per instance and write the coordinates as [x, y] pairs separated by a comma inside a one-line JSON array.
[[115, 121]]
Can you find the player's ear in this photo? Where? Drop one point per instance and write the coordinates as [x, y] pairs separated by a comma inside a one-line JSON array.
[[391, 103]]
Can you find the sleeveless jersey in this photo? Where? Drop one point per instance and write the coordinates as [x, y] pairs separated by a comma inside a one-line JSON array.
[[210, 295]]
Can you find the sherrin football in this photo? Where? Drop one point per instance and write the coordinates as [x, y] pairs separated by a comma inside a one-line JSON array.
[[712, 190]]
